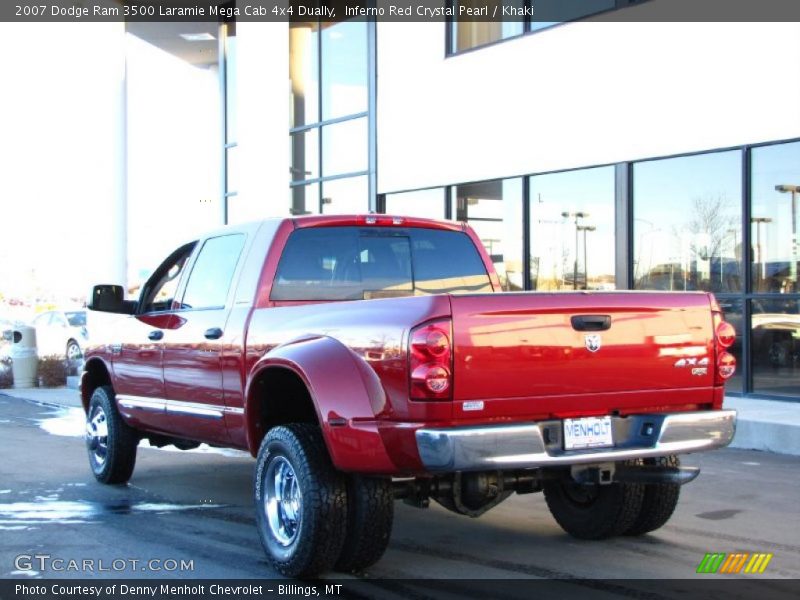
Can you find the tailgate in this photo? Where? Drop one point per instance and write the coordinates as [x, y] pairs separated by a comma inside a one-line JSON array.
[[607, 345]]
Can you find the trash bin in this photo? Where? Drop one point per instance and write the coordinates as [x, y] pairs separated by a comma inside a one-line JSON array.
[[24, 359]]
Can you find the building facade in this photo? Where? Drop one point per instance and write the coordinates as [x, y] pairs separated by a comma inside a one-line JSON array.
[[588, 154]]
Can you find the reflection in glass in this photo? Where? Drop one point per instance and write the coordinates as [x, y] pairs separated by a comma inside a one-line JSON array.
[[344, 69], [687, 223], [494, 210], [775, 331], [775, 190], [466, 34], [732, 309], [303, 73], [304, 149], [428, 204], [345, 196], [304, 199], [572, 230], [344, 147]]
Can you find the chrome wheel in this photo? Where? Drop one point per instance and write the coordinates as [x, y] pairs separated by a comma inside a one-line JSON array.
[[73, 351], [97, 435], [283, 500]]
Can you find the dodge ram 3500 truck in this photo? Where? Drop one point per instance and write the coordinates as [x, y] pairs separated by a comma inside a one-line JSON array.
[[364, 359]]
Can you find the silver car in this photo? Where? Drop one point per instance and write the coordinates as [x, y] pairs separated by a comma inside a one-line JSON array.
[[61, 333]]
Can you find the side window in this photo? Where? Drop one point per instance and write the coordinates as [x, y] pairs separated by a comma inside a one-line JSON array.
[[159, 291], [212, 273]]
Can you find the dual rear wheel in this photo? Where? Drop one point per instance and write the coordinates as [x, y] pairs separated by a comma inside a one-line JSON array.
[[596, 512], [312, 518]]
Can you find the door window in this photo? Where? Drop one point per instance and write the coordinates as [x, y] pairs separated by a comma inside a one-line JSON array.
[[212, 273]]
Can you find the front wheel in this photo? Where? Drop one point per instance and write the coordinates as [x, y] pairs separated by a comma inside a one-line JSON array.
[[300, 500], [110, 441], [594, 512]]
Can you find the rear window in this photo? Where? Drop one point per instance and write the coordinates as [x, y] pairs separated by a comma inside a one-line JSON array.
[[354, 263]]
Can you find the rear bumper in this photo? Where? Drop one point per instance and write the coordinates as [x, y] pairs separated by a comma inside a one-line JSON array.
[[531, 445]]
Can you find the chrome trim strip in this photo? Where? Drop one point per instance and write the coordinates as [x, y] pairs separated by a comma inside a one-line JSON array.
[[524, 445], [142, 402], [206, 411]]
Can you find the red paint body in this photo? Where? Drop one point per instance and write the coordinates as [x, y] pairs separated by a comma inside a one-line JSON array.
[[518, 353]]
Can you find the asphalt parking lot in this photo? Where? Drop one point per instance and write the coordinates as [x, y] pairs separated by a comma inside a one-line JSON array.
[[196, 507]]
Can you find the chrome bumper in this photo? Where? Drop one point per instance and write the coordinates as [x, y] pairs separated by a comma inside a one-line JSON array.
[[530, 445]]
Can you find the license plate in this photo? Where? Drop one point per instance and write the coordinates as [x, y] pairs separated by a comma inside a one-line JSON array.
[[589, 432]]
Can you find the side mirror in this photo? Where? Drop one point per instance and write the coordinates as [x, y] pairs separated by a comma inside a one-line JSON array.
[[110, 298]]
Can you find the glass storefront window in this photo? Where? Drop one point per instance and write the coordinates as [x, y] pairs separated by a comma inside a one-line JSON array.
[[494, 210], [345, 196], [344, 147], [572, 230], [304, 73], [774, 191], [552, 12], [304, 149], [466, 33], [775, 346], [304, 199], [733, 309], [428, 204], [344, 69], [687, 223]]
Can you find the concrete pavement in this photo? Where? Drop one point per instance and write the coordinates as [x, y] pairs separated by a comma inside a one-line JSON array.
[[766, 425]]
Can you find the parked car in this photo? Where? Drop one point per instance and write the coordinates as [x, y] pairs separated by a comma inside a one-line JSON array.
[[365, 359], [61, 333], [776, 338]]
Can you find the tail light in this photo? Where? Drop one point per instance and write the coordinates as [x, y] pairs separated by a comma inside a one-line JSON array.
[[430, 358], [724, 336], [726, 365]]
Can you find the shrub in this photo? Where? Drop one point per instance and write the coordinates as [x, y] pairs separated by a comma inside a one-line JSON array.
[[52, 371]]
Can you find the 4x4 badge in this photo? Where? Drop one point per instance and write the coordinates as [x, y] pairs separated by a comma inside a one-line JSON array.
[[593, 342]]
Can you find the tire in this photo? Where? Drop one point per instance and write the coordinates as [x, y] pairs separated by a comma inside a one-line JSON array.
[[780, 354], [370, 514], [73, 351], [594, 512], [659, 502], [110, 442], [300, 500]]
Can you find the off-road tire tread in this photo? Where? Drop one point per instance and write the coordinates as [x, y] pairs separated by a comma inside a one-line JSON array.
[[370, 515], [122, 440], [324, 501], [659, 502], [612, 513]]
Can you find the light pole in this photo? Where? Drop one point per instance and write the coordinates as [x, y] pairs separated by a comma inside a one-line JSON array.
[[577, 215], [792, 189], [758, 221], [584, 229]]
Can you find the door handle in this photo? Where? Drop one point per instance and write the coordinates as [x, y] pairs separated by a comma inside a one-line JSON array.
[[591, 322], [155, 335], [213, 333]]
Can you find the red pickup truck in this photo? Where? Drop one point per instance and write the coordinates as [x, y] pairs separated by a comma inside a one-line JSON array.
[[364, 359]]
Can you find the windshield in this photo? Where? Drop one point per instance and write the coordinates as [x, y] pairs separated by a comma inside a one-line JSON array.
[[355, 263]]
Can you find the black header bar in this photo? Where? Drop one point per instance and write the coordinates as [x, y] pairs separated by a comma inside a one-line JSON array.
[[397, 10]]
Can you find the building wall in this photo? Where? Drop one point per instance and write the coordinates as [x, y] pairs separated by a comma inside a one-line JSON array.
[[579, 94], [263, 114]]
